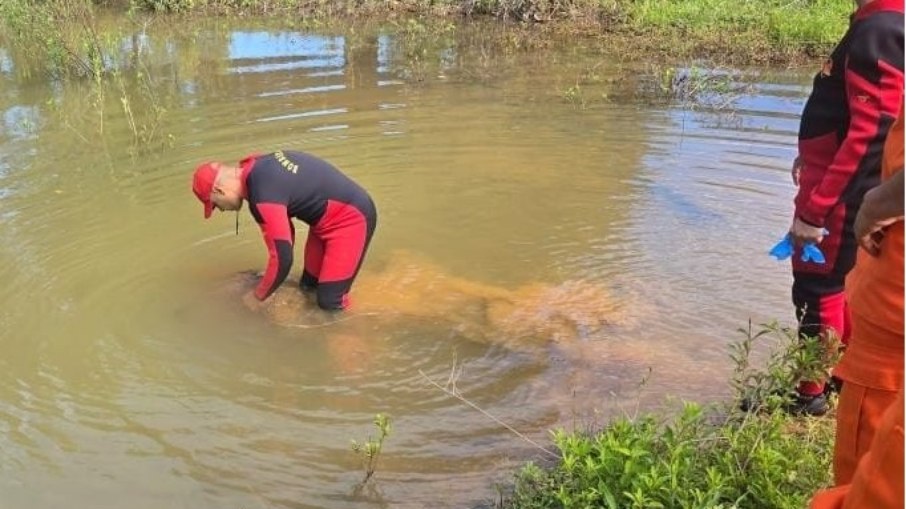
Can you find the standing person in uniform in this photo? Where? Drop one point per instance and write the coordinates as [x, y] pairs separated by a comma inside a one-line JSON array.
[[284, 185], [868, 449], [855, 98]]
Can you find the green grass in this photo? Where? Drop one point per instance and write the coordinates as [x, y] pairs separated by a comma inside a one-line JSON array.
[[727, 31], [805, 25], [713, 456], [819, 21]]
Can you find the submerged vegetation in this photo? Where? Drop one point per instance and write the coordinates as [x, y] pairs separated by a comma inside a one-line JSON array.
[[703, 456]]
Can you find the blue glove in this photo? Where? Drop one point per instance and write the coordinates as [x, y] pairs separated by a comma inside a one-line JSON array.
[[811, 253], [784, 249]]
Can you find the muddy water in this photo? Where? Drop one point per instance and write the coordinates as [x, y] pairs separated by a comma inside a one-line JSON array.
[[131, 377]]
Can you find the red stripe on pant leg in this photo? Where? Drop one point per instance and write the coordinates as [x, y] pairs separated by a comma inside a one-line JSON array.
[[314, 254], [344, 242], [342, 252], [832, 314], [345, 234], [810, 388], [832, 310]]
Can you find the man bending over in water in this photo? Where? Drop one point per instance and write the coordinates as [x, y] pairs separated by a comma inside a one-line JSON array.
[[285, 185]]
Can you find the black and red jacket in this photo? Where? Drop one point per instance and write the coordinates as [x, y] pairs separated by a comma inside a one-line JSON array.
[[854, 101], [285, 185]]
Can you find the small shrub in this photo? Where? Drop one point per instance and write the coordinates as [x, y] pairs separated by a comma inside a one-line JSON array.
[[370, 449], [711, 456]]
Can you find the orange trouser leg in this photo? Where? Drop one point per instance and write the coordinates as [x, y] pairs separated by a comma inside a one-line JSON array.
[[858, 416], [877, 482]]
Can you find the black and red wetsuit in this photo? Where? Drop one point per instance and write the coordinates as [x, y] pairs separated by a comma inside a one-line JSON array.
[[340, 214], [855, 99]]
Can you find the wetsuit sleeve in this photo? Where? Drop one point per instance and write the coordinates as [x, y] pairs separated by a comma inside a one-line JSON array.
[[279, 234], [874, 90]]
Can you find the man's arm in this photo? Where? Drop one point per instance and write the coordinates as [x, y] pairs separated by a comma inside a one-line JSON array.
[[882, 207], [874, 89], [278, 236]]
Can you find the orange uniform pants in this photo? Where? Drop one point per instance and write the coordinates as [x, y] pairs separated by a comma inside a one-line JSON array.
[[877, 482], [859, 415]]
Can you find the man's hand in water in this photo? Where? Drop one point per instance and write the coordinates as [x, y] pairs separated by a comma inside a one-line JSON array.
[[251, 277], [251, 302]]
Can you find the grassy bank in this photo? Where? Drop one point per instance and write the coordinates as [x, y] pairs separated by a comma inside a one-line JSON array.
[[714, 456], [725, 31], [742, 30]]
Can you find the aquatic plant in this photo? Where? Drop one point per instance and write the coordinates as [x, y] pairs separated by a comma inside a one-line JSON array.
[[370, 450], [70, 41], [60, 35], [423, 45]]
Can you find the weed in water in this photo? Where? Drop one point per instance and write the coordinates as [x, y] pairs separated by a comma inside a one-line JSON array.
[[370, 449]]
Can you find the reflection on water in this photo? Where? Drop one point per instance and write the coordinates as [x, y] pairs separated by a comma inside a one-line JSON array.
[[126, 381]]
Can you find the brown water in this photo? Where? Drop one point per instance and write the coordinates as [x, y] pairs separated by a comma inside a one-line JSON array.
[[126, 382]]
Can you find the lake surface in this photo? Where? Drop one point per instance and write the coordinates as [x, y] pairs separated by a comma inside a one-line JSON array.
[[127, 380]]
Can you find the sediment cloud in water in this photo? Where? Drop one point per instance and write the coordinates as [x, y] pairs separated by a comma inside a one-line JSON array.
[[409, 287]]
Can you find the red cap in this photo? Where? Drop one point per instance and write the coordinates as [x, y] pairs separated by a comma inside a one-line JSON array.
[[203, 184]]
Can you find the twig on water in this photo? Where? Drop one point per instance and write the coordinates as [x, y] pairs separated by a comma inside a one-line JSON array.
[[449, 389]]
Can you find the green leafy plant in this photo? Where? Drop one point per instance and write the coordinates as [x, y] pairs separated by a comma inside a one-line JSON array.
[[370, 449], [704, 456], [791, 360]]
